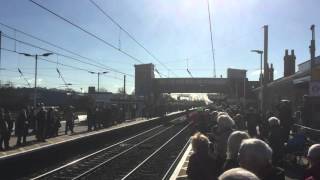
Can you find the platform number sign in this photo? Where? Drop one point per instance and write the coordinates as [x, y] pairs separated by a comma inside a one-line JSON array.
[[314, 88]]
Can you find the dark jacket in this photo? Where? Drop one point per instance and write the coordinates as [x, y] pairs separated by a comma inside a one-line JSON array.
[[21, 125], [3, 125], [272, 173], [276, 142], [312, 173], [201, 168], [229, 164], [8, 119]]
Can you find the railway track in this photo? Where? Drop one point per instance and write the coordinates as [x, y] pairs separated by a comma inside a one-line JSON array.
[[160, 164], [106, 161]]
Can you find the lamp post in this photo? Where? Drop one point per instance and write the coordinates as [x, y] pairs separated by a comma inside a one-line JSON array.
[[261, 77], [36, 72], [261, 53], [98, 73]]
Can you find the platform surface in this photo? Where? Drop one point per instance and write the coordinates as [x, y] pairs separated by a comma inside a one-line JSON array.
[[180, 173]]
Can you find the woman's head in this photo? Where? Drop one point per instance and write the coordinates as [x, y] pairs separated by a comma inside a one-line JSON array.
[[254, 155], [234, 142], [200, 143], [225, 122], [314, 154], [273, 121]]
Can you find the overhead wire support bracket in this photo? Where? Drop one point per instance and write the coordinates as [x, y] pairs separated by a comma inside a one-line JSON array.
[[189, 72], [61, 77], [25, 79]]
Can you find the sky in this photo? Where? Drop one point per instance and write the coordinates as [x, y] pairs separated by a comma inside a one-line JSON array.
[[176, 32]]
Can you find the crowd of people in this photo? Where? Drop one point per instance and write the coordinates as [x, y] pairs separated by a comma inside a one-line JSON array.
[[39, 121], [105, 116], [44, 122], [231, 144]]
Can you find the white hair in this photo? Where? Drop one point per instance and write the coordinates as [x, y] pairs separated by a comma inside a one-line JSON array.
[[222, 113], [225, 121], [273, 121], [238, 174], [314, 153], [254, 154], [234, 142]]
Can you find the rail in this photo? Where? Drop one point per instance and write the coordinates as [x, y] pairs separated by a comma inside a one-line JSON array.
[[176, 161], [52, 172], [162, 147]]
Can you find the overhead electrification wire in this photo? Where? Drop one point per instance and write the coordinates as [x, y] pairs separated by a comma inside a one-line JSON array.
[[63, 55], [212, 49], [86, 31], [61, 48], [130, 35], [61, 64]]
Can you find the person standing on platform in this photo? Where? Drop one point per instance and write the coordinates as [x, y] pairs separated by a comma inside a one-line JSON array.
[[4, 132], [31, 114], [8, 119], [41, 124], [106, 116], [99, 116], [306, 109], [56, 121], [275, 139], [50, 123], [21, 129], [256, 156], [234, 141], [285, 116], [252, 122], [69, 117], [201, 165], [312, 172], [90, 119]]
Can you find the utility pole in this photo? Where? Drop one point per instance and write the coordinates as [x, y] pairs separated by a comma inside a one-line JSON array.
[[98, 73], [244, 91], [314, 84], [124, 84], [0, 54], [265, 76], [312, 50], [265, 50], [35, 81], [98, 81], [211, 36], [36, 73], [261, 76]]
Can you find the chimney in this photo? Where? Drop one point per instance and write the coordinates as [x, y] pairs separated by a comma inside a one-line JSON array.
[[271, 71], [292, 62], [267, 77], [286, 62]]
